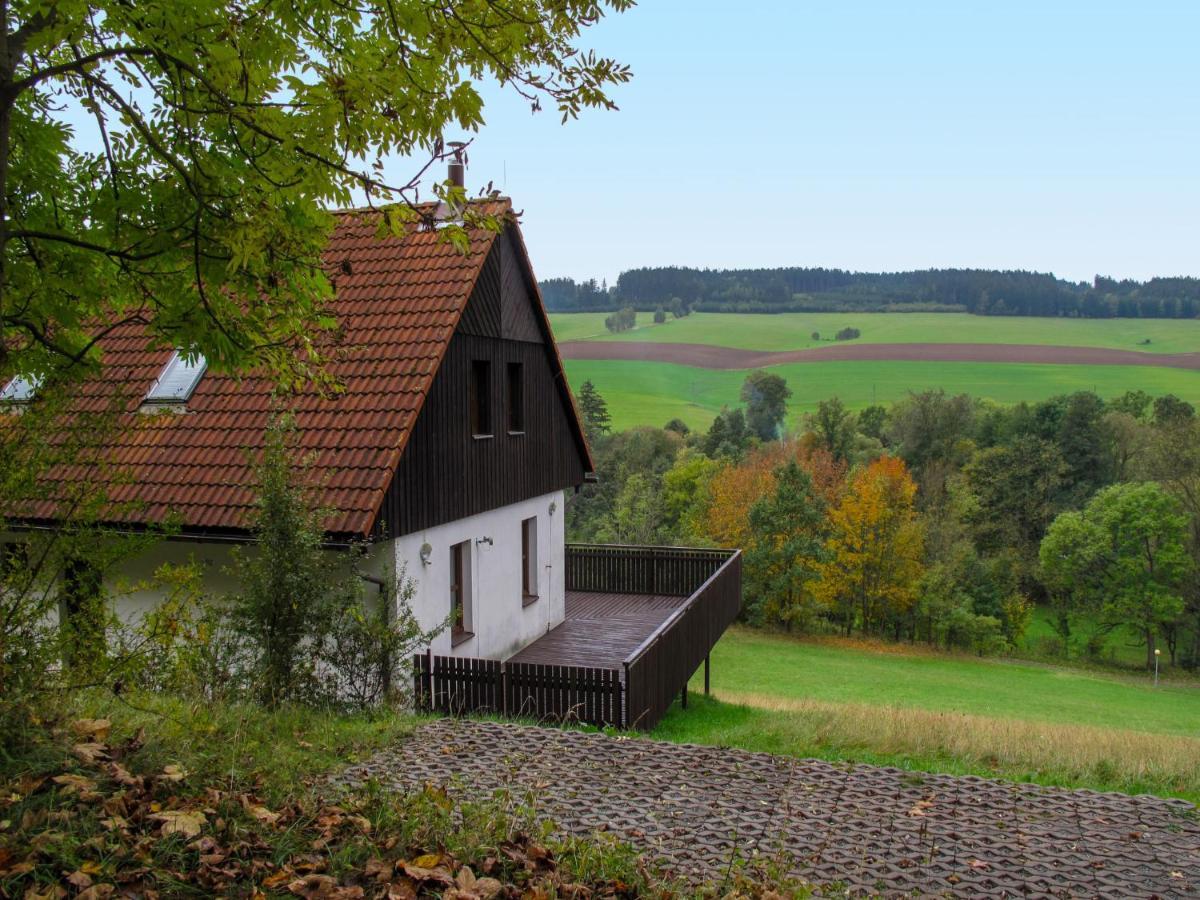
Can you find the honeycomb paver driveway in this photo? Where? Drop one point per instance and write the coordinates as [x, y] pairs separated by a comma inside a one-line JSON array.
[[871, 830]]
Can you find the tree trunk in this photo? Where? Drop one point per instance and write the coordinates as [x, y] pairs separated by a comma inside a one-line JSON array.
[[1149, 632]]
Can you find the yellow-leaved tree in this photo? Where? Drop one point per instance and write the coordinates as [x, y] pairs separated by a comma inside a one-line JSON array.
[[873, 561]]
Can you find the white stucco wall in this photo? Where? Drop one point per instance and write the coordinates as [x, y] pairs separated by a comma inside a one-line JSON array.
[[500, 621]]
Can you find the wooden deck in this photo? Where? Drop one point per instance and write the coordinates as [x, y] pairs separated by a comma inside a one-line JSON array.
[[600, 629]]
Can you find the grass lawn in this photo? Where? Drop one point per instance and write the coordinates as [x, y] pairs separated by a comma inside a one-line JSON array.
[[947, 713], [652, 393], [793, 331]]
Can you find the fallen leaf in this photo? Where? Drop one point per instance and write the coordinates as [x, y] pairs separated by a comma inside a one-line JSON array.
[[90, 752], [401, 890], [96, 729], [180, 822], [979, 864], [918, 808], [262, 814], [279, 878], [79, 879], [96, 892], [173, 773], [313, 886]]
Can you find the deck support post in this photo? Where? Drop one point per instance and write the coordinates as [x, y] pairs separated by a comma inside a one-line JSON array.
[[706, 657]]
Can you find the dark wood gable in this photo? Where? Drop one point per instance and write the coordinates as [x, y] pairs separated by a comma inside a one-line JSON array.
[[502, 303], [446, 472]]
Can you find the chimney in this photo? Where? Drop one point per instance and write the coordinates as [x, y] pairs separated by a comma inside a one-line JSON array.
[[456, 171]]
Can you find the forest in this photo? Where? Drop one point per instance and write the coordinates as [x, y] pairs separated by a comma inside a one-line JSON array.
[[940, 519], [978, 291]]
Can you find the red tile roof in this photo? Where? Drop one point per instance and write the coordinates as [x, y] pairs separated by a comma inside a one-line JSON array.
[[398, 303]]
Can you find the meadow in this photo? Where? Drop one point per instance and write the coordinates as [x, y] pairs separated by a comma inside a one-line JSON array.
[[889, 705], [793, 331], [653, 393]]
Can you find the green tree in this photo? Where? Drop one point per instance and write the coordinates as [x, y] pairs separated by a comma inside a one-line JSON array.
[[287, 586], [171, 161], [765, 395], [685, 495], [1127, 551], [1170, 410], [1016, 491], [787, 542], [1071, 559], [728, 436], [660, 316], [834, 427], [638, 512], [596, 420]]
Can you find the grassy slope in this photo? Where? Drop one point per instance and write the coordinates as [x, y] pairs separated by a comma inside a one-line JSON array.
[[652, 393], [945, 713], [748, 662], [793, 331]]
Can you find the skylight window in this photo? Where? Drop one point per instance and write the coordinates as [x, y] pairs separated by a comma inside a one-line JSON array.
[[178, 379], [21, 389]]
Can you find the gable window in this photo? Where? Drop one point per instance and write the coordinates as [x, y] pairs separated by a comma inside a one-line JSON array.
[[460, 593], [21, 389], [515, 398], [177, 380], [529, 574], [480, 398]]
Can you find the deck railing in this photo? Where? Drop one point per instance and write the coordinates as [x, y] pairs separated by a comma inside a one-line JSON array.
[[659, 670], [626, 569], [639, 693]]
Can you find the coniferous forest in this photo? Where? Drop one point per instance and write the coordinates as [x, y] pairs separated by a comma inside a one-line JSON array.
[[979, 291]]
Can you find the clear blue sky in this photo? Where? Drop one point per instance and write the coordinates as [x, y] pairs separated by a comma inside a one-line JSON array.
[[1057, 136]]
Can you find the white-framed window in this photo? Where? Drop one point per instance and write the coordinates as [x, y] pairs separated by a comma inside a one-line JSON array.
[[178, 379], [529, 561], [21, 389]]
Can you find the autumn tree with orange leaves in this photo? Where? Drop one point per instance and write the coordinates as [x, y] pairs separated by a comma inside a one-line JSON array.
[[736, 487], [874, 549]]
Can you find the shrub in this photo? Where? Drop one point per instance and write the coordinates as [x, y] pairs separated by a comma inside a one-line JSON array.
[[621, 320], [660, 316], [816, 335], [301, 629], [847, 334]]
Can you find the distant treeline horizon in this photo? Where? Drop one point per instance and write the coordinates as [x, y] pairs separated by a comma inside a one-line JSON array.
[[988, 292]]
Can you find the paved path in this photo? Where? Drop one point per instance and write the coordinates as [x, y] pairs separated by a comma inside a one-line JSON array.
[[708, 356], [875, 831]]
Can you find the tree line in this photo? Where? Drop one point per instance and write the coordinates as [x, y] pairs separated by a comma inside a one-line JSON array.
[[978, 291], [942, 519]]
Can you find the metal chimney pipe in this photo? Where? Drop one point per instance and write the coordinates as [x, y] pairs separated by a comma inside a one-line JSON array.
[[456, 171]]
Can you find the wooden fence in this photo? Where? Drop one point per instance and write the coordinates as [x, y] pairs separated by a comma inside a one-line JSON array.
[[659, 670], [636, 696], [459, 685], [622, 569]]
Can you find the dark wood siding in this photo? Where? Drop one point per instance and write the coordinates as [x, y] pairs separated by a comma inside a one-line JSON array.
[[482, 314], [518, 321], [446, 473]]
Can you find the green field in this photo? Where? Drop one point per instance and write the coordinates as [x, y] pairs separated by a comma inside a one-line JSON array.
[[793, 331], [653, 393], [939, 712]]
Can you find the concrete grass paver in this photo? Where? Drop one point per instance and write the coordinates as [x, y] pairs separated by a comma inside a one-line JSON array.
[[870, 830]]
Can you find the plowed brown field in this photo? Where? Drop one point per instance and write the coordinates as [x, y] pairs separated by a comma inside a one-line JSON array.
[[706, 356]]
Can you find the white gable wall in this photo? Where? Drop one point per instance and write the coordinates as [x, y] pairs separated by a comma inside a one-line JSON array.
[[502, 624]]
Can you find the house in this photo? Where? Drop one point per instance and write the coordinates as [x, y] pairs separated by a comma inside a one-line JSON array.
[[452, 451]]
